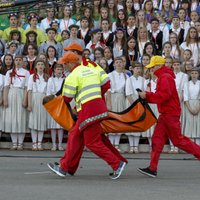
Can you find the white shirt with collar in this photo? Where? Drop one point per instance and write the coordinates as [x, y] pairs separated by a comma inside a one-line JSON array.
[[132, 83], [20, 80], [181, 79], [1, 83], [54, 84], [40, 85], [117, 81], [192, 91]]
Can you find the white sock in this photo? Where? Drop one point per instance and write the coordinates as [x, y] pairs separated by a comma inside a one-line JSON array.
[[21, 137], [111, 138], [130, 139], [40, 136], [136, 141], [60, 137], [150, 142], [34, 136], [117, 139], [53, 136], [14, 138], [171, 144], [197, 141]]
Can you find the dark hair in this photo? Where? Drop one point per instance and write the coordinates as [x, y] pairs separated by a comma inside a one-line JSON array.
[[153, 46], [15, 32], [46, 75], [51, 47], [118, 22], [4, 67]]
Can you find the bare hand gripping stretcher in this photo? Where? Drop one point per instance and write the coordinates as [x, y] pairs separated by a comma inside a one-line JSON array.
[[137, 118]]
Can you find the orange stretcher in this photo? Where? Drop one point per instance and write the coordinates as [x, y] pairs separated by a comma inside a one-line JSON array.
[[137, 118]]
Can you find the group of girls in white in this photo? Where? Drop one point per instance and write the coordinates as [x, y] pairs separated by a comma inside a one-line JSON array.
[[21, 108], [133, 31], [123, 93]]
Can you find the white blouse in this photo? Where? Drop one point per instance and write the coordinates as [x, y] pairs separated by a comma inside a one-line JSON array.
[[20, 80], [117, 81], [132, 83], [53, 85], [181, 79], [195, 50], [1, 82], [64, 24], [40, 85], [192, 90]]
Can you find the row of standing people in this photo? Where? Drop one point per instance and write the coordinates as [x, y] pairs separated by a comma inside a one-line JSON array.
[[21, 104], [23, 91], [123, 93]]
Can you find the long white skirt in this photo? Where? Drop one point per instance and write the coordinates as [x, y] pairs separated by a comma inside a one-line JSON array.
[[118, 104], [192, 122], [150, 131], [51, 123], [38, 115], [15, 114], [1, 118], [137, 134]]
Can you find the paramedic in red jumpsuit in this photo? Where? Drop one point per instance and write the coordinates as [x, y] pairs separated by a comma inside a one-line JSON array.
[[91, 134], [168, 124]]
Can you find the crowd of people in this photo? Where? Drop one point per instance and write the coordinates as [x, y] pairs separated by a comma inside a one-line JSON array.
[[121, 36]]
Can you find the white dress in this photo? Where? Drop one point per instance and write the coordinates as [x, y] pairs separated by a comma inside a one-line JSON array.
[[64, 24], [151, 87], [38, 115], [15, 114], [117, 90], [1, 99], [132, 83], [53, 86], [192, 95], [181, 80], [195, 50]]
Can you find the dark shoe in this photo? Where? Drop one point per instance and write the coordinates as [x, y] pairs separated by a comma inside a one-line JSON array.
[[56, 169], [111, 173], [116, 174], [147, 172]]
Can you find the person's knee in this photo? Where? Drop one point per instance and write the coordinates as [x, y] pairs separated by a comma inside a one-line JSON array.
[[157, 146]]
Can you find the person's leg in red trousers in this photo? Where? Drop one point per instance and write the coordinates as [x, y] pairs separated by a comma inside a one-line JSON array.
[[159, 139], [107, 142], [74, 149], [93, 141], [178, 139], [169, 127]]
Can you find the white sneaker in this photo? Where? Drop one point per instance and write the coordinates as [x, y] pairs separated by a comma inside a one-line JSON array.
[[40, 147], [60, 148], [118, 149], [131, 150], [175, 149], [34, 147], [14, 147], [171, 150], [53, 148], [136, 150]]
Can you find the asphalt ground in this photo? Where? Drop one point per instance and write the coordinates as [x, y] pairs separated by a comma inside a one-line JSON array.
[[25, 176]]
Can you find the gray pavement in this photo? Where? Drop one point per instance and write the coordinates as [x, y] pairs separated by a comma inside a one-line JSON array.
[[25, 176]]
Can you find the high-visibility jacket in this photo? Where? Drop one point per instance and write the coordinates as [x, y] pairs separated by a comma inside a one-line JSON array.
[[83, 84], [105, 81]]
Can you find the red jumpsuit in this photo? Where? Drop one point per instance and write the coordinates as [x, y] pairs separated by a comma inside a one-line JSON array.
[[168, 124], [91, 136]]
